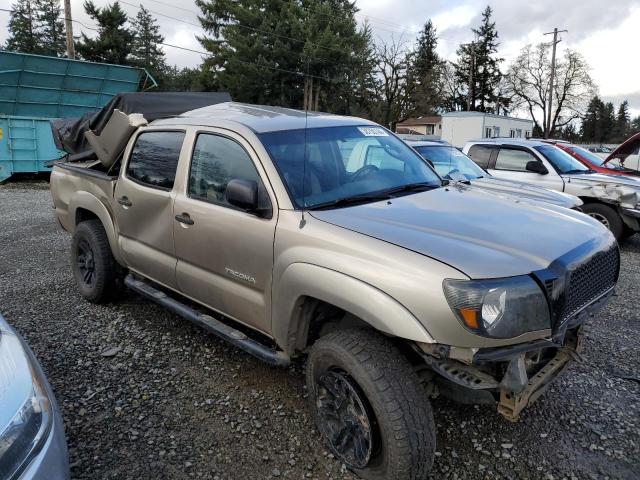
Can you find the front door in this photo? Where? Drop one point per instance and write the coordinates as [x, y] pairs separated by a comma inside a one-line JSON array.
[[511, 162], [144, 205], [225, 255]]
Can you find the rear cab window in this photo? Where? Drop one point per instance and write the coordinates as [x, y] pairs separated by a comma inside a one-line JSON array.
[[154, 158], [481, 154]]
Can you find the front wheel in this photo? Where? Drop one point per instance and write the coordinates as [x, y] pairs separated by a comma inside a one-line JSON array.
[[369, 406], [606, 216]]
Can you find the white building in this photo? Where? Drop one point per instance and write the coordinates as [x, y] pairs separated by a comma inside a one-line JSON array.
[[460, 127]]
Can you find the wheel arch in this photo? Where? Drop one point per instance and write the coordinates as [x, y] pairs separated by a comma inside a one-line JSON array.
[[307, 293], [85, 206]]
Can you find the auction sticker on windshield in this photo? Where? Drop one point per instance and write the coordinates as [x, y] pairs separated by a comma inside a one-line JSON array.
[[373, 132]]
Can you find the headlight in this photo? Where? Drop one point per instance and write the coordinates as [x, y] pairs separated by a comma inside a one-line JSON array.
[[25, 409], [499, 308]]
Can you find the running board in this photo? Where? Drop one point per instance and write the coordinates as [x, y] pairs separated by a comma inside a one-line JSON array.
[[222, 330]]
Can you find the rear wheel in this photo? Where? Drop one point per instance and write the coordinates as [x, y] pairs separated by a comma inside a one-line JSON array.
[[97, 274], [369, 406], [607, 216]]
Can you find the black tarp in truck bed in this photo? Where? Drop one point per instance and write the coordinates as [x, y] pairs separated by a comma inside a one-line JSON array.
[[68, 133]]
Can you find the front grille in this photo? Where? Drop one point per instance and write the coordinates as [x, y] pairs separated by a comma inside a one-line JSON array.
[[590, 280]]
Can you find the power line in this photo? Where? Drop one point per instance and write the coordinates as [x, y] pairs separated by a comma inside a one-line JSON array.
[[253, 64], [239, 25]]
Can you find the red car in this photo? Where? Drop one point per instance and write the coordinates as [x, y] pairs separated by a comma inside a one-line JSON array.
[[612, 165]]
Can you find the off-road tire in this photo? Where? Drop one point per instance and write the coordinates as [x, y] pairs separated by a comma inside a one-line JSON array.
[[406, 430], [107, 278], [601, 211]]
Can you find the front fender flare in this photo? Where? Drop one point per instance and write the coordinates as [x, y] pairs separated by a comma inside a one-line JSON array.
[[354, 296], [87, 201]]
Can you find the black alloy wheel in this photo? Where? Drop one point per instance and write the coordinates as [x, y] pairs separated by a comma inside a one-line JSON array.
[[346, 418]]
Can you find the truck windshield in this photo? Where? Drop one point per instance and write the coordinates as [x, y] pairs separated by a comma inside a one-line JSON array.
[[448, 161], [345, 165], [562, 161]]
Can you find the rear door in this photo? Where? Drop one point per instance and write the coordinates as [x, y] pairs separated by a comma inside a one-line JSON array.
[[225, 255], [510, 162], [144, 204]]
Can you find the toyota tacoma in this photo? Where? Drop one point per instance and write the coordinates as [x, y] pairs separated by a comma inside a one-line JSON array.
[[395, 284]]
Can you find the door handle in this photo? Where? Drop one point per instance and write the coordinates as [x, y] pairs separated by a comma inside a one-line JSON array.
[[185, 218], [125, 201]]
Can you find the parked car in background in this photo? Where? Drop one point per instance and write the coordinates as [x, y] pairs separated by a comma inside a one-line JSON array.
[[452, 164], [32, 441], [292, 233], [593, 161], [614, 201]]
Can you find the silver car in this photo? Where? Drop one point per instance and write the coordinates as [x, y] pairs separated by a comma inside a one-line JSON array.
[[32, 441]]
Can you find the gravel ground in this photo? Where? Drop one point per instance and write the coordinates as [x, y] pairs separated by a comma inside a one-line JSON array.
[[171, 401]]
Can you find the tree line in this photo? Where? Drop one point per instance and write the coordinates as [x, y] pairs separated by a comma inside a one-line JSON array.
[[313, 54]]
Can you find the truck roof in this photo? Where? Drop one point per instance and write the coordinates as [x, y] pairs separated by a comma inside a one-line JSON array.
[[260, 118], [508, 140]]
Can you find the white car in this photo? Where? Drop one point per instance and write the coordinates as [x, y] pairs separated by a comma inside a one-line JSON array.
[[451, 164], [613, 200]]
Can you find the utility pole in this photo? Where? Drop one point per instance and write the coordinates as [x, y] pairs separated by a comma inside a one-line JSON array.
[[555, 32], [472, 67], [68, 27]]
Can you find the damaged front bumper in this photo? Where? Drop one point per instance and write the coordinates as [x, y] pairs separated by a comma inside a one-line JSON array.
[[515, 395], [513, 377]]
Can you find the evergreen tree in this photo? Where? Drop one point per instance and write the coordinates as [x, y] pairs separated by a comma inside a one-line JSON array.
[[286, 52], [51, 27], [607, 123], [23, 31], [590, 119], [599, 121], [146, 51], [487, 64], [176, 79], [113, 43], [621, 129], [635, 125], [478, 60], [425, 72]]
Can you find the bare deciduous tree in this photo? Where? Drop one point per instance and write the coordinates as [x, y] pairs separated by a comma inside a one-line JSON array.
[[527, 82], [391, 91]]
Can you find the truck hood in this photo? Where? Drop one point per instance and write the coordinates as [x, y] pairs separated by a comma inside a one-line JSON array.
[[590, 178], [477, 232], [524, 190]]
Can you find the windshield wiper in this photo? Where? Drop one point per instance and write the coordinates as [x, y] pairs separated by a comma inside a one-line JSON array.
[[374, 196], [580, 171], [348, 201], [410, 188]]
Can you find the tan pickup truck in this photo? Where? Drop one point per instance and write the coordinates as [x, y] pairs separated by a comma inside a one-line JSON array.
[[395, 284]]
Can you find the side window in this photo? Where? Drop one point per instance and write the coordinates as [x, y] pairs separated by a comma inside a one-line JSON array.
[[481, 154], [217, 160], [154, 158], [516, 160]]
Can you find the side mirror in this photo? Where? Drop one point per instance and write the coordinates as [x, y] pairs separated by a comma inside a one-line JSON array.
[[243, 194], [536, 166]]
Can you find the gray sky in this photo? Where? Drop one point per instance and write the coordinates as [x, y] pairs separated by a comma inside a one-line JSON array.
[[604, 32]]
